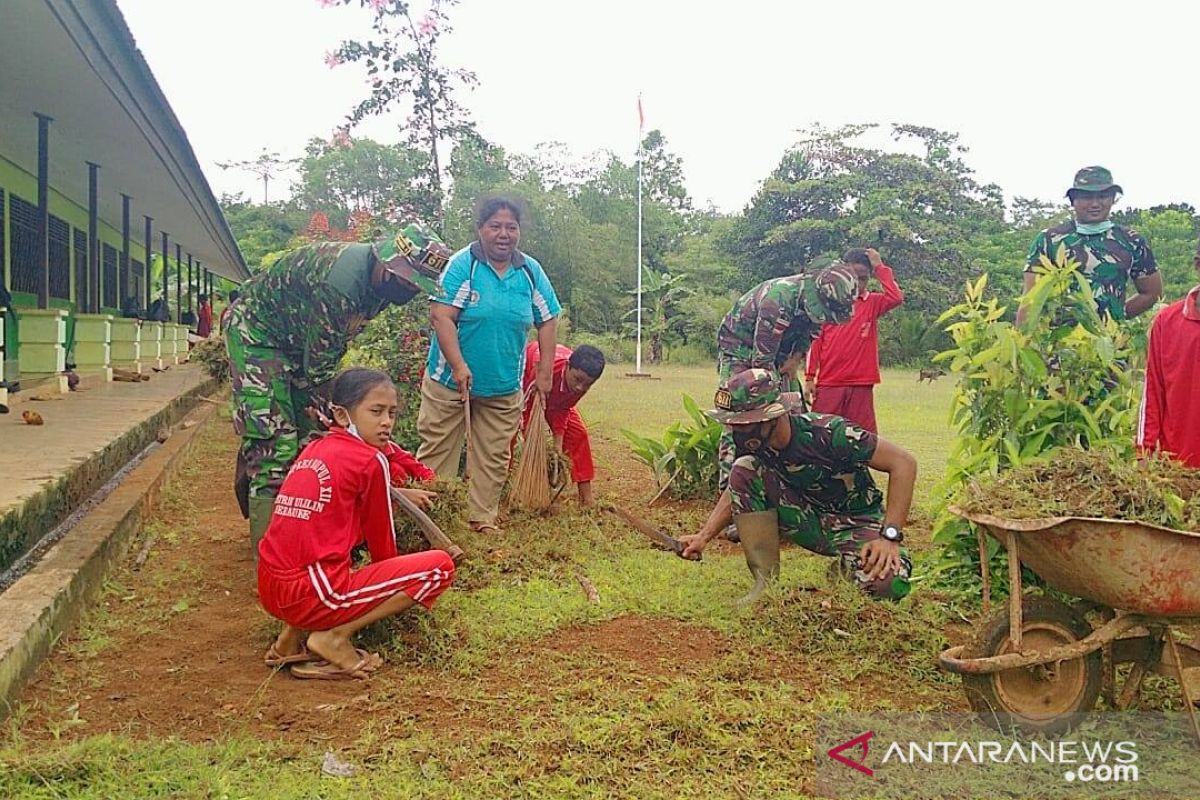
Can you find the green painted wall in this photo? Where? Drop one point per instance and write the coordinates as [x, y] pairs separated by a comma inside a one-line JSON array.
[[14, 180]]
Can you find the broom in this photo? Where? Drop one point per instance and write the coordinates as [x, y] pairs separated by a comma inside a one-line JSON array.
[[531, 488]]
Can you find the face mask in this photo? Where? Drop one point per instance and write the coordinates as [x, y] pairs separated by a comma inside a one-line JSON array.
[[1092, 228], [352, 429], [750, 442], [395, 291]]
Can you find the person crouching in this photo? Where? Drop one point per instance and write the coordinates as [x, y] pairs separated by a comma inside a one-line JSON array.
[[337, 496]]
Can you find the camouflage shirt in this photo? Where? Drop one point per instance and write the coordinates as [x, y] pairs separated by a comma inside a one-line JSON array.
[[766, 325], [1109, 260], [309, 304], [826, 464]]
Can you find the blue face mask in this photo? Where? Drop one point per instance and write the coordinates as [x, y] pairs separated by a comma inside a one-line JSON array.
[[1093, 228]]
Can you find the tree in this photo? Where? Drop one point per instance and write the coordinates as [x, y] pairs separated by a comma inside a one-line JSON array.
[[266, 167], [662, 312], [828, 194], [347, 175], [260, 229], [403, 64]]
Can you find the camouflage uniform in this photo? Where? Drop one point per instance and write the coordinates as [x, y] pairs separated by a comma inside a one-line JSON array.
[[827, 501], [286, 336], [775, 320], [1109, 259]]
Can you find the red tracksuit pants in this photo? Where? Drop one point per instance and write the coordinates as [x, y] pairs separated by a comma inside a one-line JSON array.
[[325, 595]]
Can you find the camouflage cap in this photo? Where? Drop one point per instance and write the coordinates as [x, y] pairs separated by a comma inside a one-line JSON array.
[[416, 256], [751, 396], [1094, 179], [829, 294]]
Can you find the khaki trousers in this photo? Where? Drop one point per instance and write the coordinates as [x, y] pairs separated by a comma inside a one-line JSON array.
[[442, 426]]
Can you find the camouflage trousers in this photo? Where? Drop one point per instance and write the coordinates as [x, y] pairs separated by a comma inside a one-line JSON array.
[[268, 412], [754, 486]]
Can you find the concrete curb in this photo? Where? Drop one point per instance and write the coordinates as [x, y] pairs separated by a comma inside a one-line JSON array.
[[46, 602], [22, 526]]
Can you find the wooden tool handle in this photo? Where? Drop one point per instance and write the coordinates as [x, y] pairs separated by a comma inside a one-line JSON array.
[[433, 534]]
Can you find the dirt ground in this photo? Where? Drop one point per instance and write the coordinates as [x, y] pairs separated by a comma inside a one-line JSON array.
[[179, 652]]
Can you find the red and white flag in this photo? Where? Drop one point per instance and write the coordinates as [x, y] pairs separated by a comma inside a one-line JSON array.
[[641, 116]]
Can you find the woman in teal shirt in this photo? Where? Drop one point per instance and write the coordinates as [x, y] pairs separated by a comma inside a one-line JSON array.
[[492, 293]]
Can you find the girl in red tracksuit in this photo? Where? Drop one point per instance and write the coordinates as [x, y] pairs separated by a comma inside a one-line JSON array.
[[336, 496]]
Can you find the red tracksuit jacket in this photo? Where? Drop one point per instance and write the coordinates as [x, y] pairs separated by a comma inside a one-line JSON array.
[[1170, 413], [334, 498], [848, 354]]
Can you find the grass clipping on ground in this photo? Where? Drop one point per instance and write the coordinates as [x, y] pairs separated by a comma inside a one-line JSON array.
[[1092, 483]]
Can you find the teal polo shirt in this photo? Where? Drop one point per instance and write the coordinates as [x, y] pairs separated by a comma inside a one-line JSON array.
[[494, 318]]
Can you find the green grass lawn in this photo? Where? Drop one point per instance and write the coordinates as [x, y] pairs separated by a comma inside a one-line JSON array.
[[914, 415], [664, 689]]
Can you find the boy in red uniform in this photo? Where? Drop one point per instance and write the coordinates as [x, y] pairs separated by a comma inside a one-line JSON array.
[[574, 373], [843, 361], [336, 496], [1170, 415]]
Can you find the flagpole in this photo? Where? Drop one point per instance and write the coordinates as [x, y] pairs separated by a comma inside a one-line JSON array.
[[638, 367]]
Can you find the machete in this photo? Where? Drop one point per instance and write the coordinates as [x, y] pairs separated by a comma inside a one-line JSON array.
[[658, 537]]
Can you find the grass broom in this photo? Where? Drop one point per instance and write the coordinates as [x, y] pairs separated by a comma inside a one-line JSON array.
[[531, 487]]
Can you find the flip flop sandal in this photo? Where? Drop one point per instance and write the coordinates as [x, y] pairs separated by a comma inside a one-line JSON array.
[[275, 660], [485, 527], [325, 671]]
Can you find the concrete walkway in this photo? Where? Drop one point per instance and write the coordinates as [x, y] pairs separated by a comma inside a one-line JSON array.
[[46, 470]]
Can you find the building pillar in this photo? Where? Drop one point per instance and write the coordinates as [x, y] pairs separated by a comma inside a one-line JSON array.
[[43, 214], [93, 267], [178, 282], [149, 283], [124, 280]]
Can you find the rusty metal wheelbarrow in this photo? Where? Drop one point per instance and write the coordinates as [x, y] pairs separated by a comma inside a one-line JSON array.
[[1039, 663]]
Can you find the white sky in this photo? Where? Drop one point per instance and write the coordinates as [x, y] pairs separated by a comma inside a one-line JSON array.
[[1036, 89]]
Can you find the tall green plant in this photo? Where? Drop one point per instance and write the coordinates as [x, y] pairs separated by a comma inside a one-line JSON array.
[[684, 461], [1060, 379]]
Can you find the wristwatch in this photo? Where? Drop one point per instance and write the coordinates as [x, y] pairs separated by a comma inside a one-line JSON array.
[[892, 533]]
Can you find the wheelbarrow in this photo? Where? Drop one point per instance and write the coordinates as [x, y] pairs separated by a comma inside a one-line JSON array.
[[1038, 664]]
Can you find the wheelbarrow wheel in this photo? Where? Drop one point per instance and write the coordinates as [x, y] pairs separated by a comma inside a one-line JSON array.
[[1044, 698]]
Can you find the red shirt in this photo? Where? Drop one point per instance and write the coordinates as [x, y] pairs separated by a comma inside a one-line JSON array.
[[561, 399], [404, 465], [204, 321], [848, 354], [336, 496], [1170, 415]]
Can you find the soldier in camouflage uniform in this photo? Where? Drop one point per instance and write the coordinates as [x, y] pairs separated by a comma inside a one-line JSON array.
[[1108, 254], [287, 334], [774, 323], [806, 476]]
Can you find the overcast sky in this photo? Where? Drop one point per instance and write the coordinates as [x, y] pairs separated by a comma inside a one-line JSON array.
[[1036, 89]]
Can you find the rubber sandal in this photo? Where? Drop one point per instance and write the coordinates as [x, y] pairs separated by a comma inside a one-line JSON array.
[[276, 661], [325, 671], [485, 527]]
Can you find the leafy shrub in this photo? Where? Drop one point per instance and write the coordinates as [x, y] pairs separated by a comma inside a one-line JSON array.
[[1060, 379], [686, 457]]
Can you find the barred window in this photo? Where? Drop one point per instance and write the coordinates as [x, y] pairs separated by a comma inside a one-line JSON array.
[[109, 262], [60, 259], [23, 224], [79, 245]]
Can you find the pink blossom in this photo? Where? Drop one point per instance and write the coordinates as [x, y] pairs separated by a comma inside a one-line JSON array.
[[376, 82], [333, 59], [377, 4], [341, 138], [427, 25], [327, 3]]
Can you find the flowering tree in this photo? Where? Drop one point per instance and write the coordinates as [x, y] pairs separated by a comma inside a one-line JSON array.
[[402, 63]]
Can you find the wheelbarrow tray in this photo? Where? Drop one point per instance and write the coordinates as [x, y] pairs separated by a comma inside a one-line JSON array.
[[1132, 566]]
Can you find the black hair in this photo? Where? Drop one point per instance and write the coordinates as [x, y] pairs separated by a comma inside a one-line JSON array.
[[352, 385], [203, 298], [588, 360], [234, 294], [488, 206], [856, 255]]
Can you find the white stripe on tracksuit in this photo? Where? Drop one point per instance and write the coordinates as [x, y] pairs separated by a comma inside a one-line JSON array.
[[432, 578]]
